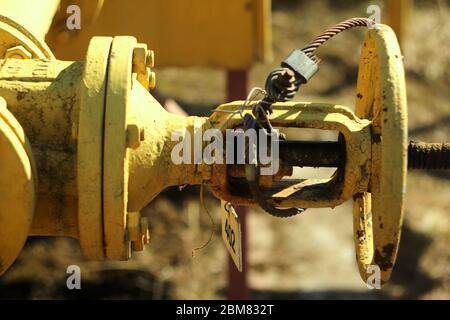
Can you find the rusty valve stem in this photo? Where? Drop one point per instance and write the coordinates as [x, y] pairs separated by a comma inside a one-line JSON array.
[[421, 155], [428, 156]]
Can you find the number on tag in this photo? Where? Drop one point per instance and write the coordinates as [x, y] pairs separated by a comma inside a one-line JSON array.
[[231, 233]]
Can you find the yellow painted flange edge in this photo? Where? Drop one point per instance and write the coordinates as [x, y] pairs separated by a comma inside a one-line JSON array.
[[115, 153], [90, 148]]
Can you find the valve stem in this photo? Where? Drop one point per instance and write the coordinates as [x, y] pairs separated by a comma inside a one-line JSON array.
[[428, 156], [421, 155]]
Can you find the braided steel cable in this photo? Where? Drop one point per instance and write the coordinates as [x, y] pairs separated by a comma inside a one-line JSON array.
[[282, 85], [330, 33]]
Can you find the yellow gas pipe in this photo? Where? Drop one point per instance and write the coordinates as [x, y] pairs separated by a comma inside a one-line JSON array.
[[100, 148]]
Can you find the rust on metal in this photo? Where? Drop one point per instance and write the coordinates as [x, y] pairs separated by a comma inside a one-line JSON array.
[[429, 156], [327, 154]]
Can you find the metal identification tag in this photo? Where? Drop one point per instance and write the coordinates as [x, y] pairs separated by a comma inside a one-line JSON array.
[[231, 233]]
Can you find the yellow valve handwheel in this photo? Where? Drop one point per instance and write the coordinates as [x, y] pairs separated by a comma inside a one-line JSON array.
[[381, 98]]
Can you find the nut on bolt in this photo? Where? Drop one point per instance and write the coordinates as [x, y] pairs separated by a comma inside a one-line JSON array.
[[152, 80], [144, 230], [18, 52], [140, 58], [137, 228], [143, 61], [135, 135], [150, 61]]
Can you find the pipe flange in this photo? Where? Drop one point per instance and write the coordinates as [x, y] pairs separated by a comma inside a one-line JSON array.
[[90, 148], [105, 133], [120, 134]]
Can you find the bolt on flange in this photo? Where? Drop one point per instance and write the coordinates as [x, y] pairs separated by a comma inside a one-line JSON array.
[[135, 135], [138, 233], [143, 61], [18, 52]]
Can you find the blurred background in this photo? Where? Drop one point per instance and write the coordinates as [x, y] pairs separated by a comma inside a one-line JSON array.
[[310, 256]]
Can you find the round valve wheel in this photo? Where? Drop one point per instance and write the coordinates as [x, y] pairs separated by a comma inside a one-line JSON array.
[[381, 98]]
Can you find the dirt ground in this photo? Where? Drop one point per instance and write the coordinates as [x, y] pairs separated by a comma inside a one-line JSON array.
[[309, 256]]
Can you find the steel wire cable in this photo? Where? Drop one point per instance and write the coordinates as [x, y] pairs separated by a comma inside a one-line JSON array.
[[333, 31], [282, 83]]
